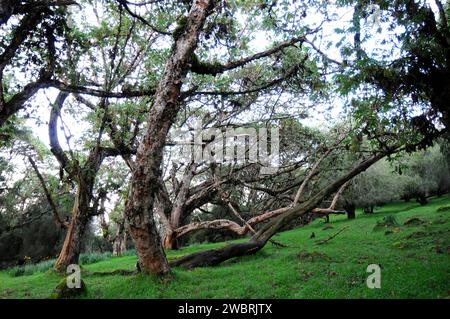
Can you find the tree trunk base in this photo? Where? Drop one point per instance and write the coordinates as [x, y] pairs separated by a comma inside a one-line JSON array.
[[214, 257]]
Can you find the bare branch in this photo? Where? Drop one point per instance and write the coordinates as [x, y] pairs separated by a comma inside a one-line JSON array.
[[52, 204]]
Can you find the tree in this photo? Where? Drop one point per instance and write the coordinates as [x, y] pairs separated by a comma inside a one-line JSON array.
[[167, 102], [41, 22], [418, 72], [195, 60], [28, 226], [424, 174], [377, 186]]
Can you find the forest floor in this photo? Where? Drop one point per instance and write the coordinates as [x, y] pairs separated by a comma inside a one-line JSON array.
[[414, 257]]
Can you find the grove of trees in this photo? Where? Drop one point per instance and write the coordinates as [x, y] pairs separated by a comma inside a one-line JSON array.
[[94, 95]]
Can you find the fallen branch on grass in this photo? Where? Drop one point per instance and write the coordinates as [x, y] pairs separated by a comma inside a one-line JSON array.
[[332, 236]]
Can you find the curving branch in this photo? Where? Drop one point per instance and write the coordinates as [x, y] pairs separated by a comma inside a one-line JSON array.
[[49, 197], [55, 146], [125, 3], [311, 173], [230, 225], [291, 72], [201, 67], [20, 34], [78, 89]]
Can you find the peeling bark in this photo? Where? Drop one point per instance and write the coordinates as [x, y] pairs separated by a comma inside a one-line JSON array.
[[146, 173], [70, 251]]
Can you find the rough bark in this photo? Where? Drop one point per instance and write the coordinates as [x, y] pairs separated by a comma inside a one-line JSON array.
[[70, 251], [216, 256], [170, 240], [146, 173]]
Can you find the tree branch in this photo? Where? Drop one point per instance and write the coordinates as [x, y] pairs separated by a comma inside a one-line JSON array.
[[201, 67], [52, 204]]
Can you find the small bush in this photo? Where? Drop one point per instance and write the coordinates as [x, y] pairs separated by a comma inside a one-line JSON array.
[[30, 269], [130, 252], [91, 258]]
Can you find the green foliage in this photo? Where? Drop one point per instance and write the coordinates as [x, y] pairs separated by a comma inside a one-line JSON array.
[[408, 72], [407, 176], [91, 258], [31, 269]]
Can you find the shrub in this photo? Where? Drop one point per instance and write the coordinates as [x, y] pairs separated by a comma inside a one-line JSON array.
[[30, 269], [91, 258], [130, 252]]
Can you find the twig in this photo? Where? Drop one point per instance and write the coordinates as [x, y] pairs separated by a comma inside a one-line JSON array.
[[332, 236]]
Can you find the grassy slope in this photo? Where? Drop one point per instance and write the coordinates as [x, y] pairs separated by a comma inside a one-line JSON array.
[[411, 268]]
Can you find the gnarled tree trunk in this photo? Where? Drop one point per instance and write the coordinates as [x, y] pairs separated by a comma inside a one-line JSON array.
[[85, 177], [170, 240], [70, 251], [146, 172]]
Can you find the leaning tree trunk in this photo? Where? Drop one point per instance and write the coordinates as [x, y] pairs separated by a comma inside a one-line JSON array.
[[258, 241], [146, 173], [70, 251]]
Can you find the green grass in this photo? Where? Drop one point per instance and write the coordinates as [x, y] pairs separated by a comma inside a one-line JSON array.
[[415, 262]]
